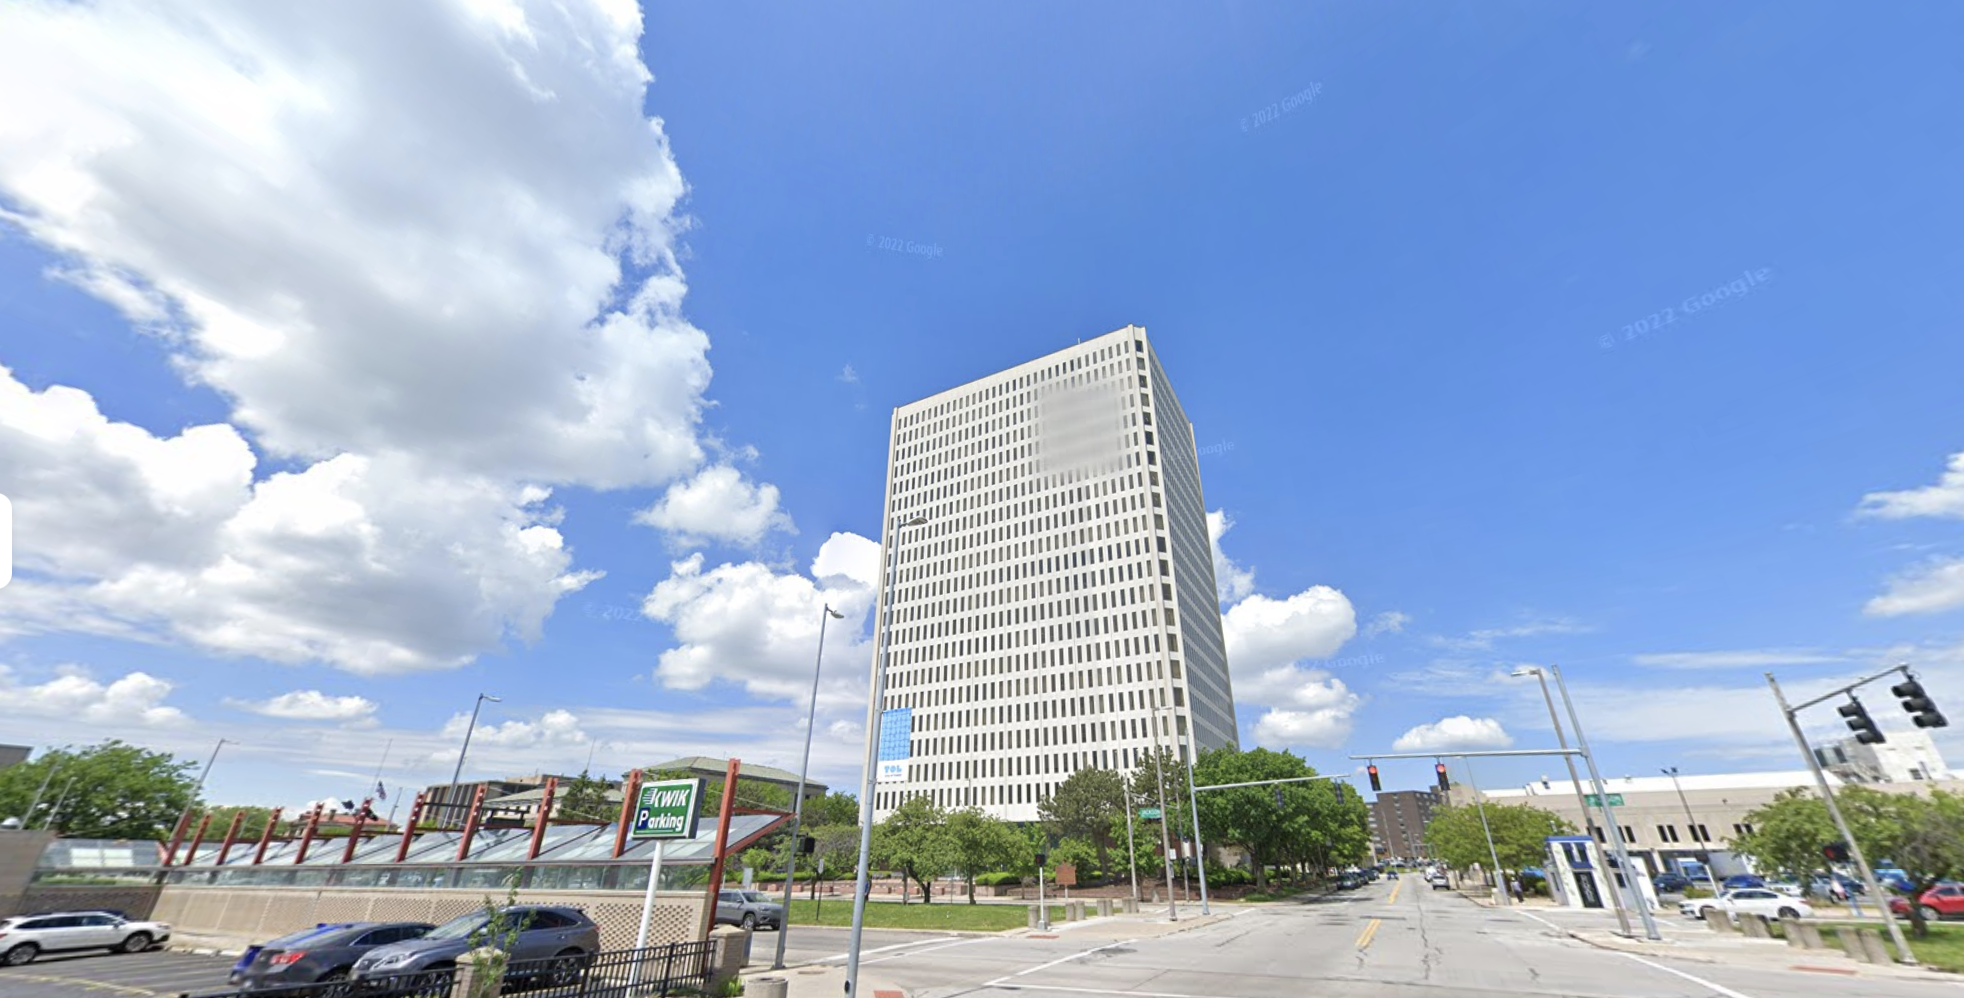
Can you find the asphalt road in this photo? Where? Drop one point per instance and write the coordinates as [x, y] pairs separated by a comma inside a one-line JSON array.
[[1365, 944]]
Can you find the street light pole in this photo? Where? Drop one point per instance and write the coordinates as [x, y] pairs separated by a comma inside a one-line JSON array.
[[1199, 851], [1575, 783], [1609, 814], [1165, 844], [798, 803], [1691, 823], [1480, 803], [862, 882]]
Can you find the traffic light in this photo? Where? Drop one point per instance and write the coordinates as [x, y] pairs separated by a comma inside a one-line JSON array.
[[1922, 711], [1041, 858], [1278, 797], [1444, 784], [1376, 787], [1860, 722], [807, 845], [1836, 852]]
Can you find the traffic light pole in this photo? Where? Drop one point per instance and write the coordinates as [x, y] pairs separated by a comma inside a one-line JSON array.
[[1834, 812]]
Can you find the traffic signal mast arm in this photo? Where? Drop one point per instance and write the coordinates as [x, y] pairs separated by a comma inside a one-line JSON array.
[[1852, 687], [1292, 779]]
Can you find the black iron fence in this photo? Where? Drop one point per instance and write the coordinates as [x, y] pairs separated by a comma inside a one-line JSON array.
[[655, 972]]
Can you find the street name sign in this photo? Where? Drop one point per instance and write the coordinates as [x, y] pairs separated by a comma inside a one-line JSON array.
[[1149, 814], [1615, 800]]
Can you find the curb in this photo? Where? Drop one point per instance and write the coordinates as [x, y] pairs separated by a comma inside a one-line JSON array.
[[1854, 968]]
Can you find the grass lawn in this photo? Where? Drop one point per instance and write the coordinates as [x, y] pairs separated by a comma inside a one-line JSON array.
[[1943, 949], [939, 915]]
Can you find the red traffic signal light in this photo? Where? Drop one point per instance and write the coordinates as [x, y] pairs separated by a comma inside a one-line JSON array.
[[1444, 784], [1375, 785], [1836, 852]]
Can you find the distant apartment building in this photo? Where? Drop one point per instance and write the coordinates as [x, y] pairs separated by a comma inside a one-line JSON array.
[[14, 755], [1057, 610], [1398, 820]]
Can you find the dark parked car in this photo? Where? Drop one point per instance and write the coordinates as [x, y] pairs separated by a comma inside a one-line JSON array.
[[1671, 883], [550, 944], [1743, 881], [324, 954]]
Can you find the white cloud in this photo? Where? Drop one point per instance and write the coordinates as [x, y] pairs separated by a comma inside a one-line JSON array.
[[1459, 732], [717, 504], [1232, 581], [849, 376], [1388, 622], [310, 705], [1753, 658], [136, 698], [1946, 498], [747, 623], [1328, 727], [1933, 587], [554, 728], [426, 255], [1484, 638], [1263, 633]]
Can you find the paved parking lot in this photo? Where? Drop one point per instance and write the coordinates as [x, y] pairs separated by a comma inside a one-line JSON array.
[[93, 975]]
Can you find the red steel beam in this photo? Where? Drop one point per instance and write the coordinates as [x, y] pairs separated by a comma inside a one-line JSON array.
[[723, 831], [272, 821], [470, 824], [544, 819], [354, 834], [231, 836], [409, 830], [629, 794], [197, 840], [307, 839]]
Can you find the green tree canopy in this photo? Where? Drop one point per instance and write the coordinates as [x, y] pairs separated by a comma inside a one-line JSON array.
[[584, 798], [1520, 835], [251, 828], [107, 791], [1082, 808], [1924, 836], [980, 843], [914, 840], [834, 808], [1301, 822]]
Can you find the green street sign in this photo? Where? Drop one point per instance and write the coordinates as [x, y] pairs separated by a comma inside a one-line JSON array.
[[667, 810], [1615, 800], [1149, 814]]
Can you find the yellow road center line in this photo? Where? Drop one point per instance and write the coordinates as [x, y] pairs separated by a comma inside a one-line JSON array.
[[1393, 899], [1370, 932]]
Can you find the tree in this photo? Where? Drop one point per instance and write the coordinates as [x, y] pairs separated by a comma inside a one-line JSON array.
[[1924, 836], [914, 840], [584, 798], [980, 843], [108, 791], [832, 809], [1082, 807], [1278, 823], [1520, 835]]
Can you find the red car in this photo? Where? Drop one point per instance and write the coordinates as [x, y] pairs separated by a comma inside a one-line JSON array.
[[1939, 902]]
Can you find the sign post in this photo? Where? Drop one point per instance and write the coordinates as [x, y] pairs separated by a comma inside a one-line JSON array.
[[664, 810]]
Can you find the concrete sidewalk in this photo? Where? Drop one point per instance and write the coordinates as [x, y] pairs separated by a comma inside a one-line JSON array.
[[1698, 943]]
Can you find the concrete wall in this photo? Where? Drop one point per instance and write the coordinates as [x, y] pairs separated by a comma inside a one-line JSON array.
[[19, 851], [261, 913]]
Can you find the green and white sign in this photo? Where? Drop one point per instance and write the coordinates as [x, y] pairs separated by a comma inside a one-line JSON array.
[[667, 810], [1149, 814], [1615, 800]]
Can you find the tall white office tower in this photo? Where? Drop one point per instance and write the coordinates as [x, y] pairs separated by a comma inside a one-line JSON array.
[[1061, 588]]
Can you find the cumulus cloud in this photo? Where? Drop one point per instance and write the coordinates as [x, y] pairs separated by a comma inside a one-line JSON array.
[[1263, 633], [1483, 639], [1232, 581], [136, 698], [1946, 498], [554, 728], [310, 705], [1388, 622], [1307, 707], [1328, 727], [717, 504], [1454, 733], [750, 624], [1930, 588], [426, 254]]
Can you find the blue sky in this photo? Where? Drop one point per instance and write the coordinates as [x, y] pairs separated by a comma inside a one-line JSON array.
[[378, 276]]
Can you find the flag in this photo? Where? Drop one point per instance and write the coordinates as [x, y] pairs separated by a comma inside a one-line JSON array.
[[380, 794]]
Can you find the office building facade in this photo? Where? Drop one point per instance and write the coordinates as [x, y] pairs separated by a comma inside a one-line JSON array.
[[1060, 590]]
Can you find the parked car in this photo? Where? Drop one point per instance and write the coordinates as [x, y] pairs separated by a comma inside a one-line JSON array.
[[1939, 902], [749, 909], [1670, 883], [551, 944], [1748, 901], [1895, 880], [1787, 886], [323, 954], [24, 937], [1441, 882], [1742, 881]]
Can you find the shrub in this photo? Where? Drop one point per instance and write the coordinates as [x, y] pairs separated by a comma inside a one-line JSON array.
[[997, 879], [1229, 877]]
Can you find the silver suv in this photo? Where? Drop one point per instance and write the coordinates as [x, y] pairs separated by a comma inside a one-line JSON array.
[[749, 909], [24, 937]]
